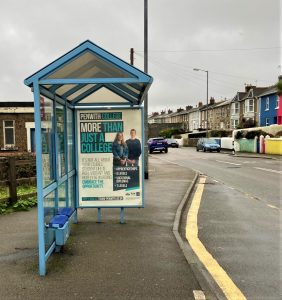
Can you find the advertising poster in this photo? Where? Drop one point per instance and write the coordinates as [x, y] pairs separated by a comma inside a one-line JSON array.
[[110, 158]]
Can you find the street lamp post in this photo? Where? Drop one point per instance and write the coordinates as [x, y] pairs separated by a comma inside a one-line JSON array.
[[146, 163], [196, 69]]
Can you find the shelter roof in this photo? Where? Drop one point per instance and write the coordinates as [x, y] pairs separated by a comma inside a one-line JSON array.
[[90, 74]]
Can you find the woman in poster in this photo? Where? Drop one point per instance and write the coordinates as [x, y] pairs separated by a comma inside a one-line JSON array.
[[120, 150]]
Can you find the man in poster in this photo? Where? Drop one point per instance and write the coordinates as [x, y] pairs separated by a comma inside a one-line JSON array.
[[134, 149]]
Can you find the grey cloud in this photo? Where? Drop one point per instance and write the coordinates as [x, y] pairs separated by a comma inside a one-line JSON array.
[[34, 33]]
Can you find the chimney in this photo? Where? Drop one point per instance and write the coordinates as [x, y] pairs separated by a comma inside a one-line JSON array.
[[212, 101], [162, 112], [169, 111], [188, 107], [248, 87], [180, 109], [200, 104]]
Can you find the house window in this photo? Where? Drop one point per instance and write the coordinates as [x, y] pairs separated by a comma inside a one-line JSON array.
[[277, 102], [266, 121], [235, 108], [267, 103], [9, 133], [249, 105], [234, 123]]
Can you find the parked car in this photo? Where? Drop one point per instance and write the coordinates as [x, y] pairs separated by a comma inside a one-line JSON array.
[[206, 144], [172, 143], [157, 144]]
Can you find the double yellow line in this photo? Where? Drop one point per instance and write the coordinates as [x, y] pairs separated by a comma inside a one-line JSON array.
[[226, 284]]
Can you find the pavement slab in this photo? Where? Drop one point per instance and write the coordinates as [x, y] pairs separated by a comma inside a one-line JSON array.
[[137, 260]]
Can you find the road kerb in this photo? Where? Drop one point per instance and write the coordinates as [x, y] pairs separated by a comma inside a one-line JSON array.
[[226, 284], [206, 282]]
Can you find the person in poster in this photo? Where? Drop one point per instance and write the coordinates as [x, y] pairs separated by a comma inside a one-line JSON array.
[[120, 150], [134, 149]]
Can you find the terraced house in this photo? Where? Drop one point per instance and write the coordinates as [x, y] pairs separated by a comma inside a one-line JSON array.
[[269, 107], [220, 115], [249, 105]]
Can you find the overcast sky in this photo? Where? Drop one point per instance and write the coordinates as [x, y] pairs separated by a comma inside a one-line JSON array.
[[237, 41]]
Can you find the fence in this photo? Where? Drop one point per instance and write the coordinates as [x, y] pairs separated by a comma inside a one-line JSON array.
[[14, 172], [273, 146]]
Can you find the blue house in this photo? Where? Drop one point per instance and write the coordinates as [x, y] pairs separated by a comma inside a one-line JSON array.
[[268, 108]]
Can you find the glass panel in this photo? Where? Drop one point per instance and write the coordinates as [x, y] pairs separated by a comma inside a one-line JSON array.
[[62, 195], [104, 95], [47, 114], [49, 213], [65, 88], [71, 192], [70, 140], [9, 136], [90, 65], [80, 91], [60, 121], [9, 123]]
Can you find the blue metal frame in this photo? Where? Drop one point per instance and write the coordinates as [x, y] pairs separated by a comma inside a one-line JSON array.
[[39, 176]]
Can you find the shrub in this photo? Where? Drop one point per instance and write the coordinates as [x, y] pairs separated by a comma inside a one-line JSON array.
[[26, 204], [167, 133], [252, 134], [279, 87], [239, 134], [278, 134], [220, 133], [3, 207]]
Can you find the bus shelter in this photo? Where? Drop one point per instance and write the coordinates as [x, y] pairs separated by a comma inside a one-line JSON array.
[[89, 132]]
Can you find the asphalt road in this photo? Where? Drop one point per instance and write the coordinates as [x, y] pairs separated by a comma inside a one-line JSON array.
[[240, 217]]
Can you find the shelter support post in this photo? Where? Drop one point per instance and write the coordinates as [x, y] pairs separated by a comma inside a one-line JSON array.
[[99, 215], [122, 221], [41, 225]]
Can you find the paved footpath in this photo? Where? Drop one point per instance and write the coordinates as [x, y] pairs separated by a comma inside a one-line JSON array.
[[138, 260]]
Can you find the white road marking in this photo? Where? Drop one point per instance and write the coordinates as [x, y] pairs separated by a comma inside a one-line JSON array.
[[226, 162], [199, 295], [268, 170]]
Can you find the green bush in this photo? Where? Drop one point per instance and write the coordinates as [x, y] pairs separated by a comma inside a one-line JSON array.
[[252, 134], [239, 135], [167, 133], [24, 205], [219, 133], [3, 207], [279, 87]]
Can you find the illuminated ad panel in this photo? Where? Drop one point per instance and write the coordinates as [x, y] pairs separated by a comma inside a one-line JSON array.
[[110, 158]]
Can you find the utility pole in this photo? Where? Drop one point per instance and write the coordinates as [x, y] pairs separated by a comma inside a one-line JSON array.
[[132, 56], [146, 171]]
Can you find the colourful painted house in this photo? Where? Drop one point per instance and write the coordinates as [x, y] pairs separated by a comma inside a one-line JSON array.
[[269, 107], [279, 111]]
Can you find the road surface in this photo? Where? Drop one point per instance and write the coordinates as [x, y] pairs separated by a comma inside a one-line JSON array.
[[240, 217]]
